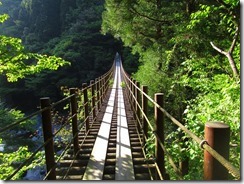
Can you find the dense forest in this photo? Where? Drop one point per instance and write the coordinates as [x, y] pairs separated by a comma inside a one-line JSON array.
[[67, 29], [189, 50]]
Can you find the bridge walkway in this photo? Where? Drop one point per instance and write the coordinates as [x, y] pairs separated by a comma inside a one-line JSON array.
[[112, 149]]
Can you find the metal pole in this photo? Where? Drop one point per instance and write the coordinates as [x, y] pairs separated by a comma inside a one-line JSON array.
[[73, 106], [217, 135], [48, 135], [84, 87]]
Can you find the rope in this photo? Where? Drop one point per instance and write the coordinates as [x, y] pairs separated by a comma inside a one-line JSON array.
[[235, 172]]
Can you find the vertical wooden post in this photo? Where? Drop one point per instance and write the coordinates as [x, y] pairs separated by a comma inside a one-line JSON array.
[[73, 106], [131, 90], [93, 99], [107, 83], [138, 102], [134, 95], [84, 87], [98, 95], [101, 90], [145, 111], [48, 134], [104, 86], [103, 83], [159, 129], [217, 135]]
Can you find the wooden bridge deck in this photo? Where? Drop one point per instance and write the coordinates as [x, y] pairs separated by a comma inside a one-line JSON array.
[[112, 148]]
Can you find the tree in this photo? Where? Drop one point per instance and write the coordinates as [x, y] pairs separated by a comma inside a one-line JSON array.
[[16, 62], [226, 22], [176, 42]]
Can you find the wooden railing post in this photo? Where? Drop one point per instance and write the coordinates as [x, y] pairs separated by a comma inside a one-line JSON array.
[[103, 86], [106, 83], [98, 93], [138, 102], [145, 111], [134, 95], [73, 106], [84, 87], [48, 136], [159, 129], [131, 90], [128, 88], [217, 135], [93, 99], [101, 90]]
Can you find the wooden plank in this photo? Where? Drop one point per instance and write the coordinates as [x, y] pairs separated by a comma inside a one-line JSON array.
[[124, 164], [95, 167]]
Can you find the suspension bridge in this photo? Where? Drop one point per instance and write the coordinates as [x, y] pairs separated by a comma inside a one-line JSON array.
[[108, 129]]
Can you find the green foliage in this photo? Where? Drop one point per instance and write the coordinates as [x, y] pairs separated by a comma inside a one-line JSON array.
[[67, 29], [16, 63], [221, 103], [9, 116], [16, 158], [3, 17], [150, 145], [172, 40]]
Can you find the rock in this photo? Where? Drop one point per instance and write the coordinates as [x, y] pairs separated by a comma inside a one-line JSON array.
[[2, 147], [36, 173]]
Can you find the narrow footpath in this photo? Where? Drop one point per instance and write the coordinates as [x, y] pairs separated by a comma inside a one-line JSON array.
[[124, 164]]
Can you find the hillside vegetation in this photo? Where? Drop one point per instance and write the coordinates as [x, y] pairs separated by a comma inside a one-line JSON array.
[[189, 50]]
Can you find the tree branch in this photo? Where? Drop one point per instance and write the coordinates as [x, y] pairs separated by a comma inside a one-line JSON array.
[[218, 49], [134, 11], [234, 40], [230, 59]]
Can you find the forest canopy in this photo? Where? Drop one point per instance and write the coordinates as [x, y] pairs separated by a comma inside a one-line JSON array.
[[66, 29]]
